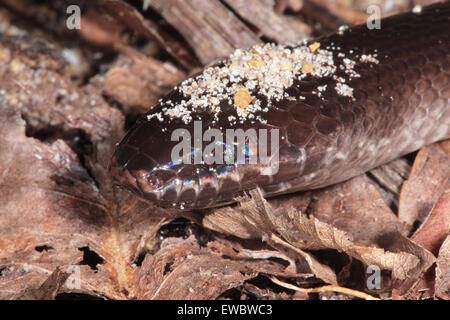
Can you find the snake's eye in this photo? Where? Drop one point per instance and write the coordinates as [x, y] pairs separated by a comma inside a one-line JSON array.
[[158, 179]]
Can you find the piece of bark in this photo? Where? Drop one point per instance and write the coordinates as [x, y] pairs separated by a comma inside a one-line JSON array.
[[424, 2], [50, 16], [137, 82], [207, 26], [324, 14], [225, 23], [101, 30], [281, 5], [261, 14], [130, 17], [356, 12]]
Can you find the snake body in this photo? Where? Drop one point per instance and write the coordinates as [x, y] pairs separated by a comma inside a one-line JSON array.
[[348, 102]]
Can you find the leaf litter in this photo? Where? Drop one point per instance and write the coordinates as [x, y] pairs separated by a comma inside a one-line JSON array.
[[59, 210]]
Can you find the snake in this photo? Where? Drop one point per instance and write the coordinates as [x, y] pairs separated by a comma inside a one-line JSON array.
[[329, 109]]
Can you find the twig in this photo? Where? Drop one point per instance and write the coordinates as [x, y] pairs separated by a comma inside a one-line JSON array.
[[328, 288]]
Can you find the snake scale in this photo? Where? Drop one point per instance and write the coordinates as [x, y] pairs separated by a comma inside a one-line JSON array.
[[342, 105]]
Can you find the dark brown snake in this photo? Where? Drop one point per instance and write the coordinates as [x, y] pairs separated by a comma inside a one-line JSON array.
[[397, 103]]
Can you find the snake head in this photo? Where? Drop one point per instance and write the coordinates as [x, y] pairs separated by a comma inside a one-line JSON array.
[[142, 163], [146, 162]]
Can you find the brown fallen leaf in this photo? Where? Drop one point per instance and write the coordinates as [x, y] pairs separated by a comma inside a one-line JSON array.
[[320, 270], [43, 199], [358, 208], [443, 271], [182, 269], [430, 236], [294, 267], [54, 211], [53, 215], [390, 177], [435, 228], [258, 220], [428, 179]]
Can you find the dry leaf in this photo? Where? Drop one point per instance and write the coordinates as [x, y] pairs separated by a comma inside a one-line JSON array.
[[443, 271], [255, 219], [430, 236], [428, 179], [182, 269], [62, 221]]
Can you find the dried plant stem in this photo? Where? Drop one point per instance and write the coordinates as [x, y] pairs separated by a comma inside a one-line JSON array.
[[329, 288]]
